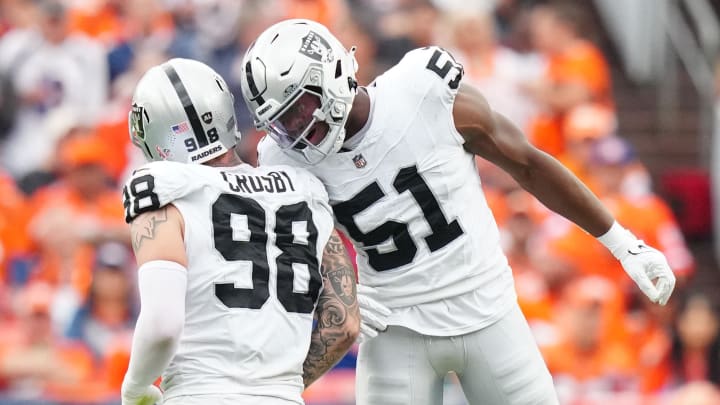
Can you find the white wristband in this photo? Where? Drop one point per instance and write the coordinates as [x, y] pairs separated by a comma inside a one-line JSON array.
[[616, 237]]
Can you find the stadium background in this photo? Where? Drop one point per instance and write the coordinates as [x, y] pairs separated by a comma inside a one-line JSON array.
[[624, 93]]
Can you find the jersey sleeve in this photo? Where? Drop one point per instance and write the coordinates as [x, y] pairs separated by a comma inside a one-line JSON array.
[[433, 75], [434, 71], [155, 185]]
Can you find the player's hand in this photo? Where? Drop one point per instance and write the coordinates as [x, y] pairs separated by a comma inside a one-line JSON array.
[[149, 395], [648, 268], [373, 314]]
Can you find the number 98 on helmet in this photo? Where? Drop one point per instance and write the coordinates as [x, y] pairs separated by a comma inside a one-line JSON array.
[[182, 111]]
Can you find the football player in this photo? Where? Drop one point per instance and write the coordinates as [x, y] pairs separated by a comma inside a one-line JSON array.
[[397, 160], [231, 263]]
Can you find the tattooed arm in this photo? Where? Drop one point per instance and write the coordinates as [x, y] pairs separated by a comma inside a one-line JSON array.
[[338, 318], [158, 235], [157, 238]]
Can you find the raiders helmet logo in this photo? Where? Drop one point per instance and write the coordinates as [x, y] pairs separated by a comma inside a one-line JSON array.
[[359, 161], [137, 129], [207, 117], [316, 47]]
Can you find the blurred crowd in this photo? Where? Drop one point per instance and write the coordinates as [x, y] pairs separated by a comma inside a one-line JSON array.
[[67, 292]]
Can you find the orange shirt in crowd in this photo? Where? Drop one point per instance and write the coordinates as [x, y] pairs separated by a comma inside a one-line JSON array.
[[496, 201], [114, 134], [606, 353], [116, 361], [110, 26], [650, 219], [33, 359], [652, 345], [12, 222], [583, 64], [582, 250], [73, 361], [103, 23], [59, 203], [534, 297], [610, 359], [65, 222], [326, 12]]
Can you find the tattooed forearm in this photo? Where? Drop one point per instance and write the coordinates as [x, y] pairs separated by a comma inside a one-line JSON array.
[[329, 341], [338, 319], [145, 226]]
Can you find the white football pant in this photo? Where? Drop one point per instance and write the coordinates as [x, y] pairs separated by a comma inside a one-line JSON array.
[[498, 365], [226, 400]]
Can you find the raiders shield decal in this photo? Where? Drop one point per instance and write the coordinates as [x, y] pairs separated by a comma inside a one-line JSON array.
[[315, 47], [136, 122]]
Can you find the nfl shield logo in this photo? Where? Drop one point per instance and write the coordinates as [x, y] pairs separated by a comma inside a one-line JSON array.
[[359, 161]]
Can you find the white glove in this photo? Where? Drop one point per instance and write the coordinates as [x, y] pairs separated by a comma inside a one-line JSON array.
[[642, 263], [150, 395], [373, 314]]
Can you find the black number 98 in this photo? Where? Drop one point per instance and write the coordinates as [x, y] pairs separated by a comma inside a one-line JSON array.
[[139, 196]]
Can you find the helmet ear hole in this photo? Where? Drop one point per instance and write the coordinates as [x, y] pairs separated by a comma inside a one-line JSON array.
[[338, 69], [352, 83]]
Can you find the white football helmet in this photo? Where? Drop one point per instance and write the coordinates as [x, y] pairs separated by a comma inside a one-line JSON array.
[[299, 83], [182, 110]]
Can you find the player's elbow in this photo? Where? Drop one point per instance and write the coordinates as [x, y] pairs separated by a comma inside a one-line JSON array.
[[170, 333], [166, 328]]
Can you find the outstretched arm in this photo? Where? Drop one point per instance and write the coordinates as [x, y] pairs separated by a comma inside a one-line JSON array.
[[491, 136], [338, 318], [157, 239]]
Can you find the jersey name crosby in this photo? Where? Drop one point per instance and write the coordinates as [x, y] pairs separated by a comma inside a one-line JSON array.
[[137, 199], [409, 196], [254, 239], [273, 182]]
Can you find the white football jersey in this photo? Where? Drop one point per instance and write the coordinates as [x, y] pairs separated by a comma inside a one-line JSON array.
[[409, 196], [254, 239]]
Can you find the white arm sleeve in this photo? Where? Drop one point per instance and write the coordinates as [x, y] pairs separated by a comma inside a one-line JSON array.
[[162, 287]]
